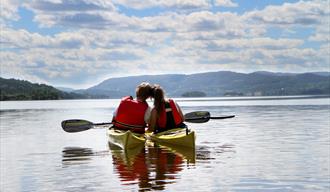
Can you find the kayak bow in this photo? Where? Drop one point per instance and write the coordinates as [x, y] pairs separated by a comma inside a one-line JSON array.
[[177, 136], [125, 139]]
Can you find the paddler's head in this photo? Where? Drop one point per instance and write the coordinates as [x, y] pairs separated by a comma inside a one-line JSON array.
[[143, 91], [158, 95]]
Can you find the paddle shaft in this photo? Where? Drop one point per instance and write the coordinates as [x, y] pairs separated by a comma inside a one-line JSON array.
[[187, 119], [77, 125], [223, 117], [106, 123]]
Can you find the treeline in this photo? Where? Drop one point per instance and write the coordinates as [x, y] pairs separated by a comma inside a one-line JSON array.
[[222, 83], [12, 89]]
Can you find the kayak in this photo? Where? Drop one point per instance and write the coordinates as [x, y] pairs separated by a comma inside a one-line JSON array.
[[125, 139], [174, 137], [177, 137]]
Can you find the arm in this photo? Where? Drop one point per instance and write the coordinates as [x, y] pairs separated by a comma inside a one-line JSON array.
[[153, 121], [147, 115]]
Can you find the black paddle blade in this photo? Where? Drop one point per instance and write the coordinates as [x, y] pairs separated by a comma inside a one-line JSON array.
[[197, 117], [76, 125]]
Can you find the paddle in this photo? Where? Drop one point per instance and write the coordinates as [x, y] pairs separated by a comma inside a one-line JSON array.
[[202, 117], [78, 125]]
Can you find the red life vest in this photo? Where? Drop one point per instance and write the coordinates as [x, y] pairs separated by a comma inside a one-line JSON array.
[[162, 120], [130, 115]]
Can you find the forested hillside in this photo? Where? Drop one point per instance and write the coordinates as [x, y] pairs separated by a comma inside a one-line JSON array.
[[211, 84], [12, 89]]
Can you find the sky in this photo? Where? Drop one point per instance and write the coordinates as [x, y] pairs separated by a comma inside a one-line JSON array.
[[80, 43]]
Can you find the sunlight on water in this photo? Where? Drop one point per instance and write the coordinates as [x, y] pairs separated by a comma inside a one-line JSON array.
[[271, 145]]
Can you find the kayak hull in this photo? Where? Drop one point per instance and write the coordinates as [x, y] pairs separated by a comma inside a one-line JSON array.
[[176, 137], [125, 139]]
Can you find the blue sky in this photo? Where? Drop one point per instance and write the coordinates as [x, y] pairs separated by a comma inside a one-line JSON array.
[[79, 43]]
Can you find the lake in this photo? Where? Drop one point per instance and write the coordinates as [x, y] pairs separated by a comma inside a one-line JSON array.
[[273, 144]]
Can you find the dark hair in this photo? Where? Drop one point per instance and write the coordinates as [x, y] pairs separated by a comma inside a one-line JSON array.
[[159, 98], [143, 91]]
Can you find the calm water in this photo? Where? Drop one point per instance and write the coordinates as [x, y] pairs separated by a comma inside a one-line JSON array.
[[273, 144]]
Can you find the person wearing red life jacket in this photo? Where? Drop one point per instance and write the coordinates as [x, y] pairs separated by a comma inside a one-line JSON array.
[[134, 114], [166, 113]]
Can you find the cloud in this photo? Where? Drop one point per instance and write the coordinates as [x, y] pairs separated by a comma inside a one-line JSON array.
[[225, 3], [71, 6], [172, 4], [73, 13], [255, 43], [305, 13], [24, 40], [99, 39], [9, 10], [322, 32]]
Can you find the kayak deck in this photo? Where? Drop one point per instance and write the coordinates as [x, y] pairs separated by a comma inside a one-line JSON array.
[[174, 137], [177, 136], [125, 139]]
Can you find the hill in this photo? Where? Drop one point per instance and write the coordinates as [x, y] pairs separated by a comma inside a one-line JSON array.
[[221, 83], [12, 89]]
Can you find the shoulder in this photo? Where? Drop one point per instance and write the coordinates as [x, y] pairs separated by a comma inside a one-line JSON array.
[[127, 98]]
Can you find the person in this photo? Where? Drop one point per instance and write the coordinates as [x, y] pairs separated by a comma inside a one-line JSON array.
[[166, 113], [134, 114]]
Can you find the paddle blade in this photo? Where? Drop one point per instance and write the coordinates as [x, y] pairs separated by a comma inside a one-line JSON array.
[[197, 117], [76, 125]]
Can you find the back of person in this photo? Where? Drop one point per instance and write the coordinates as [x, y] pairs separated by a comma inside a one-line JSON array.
[[130, 115], [133, 114], [169, 117], [166, 114]]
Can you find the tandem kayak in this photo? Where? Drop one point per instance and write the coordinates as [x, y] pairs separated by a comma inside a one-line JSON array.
[[178, 137], [125, 139]]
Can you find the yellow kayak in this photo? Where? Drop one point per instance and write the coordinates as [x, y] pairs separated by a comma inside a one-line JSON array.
[[125, 139], [177, 136]]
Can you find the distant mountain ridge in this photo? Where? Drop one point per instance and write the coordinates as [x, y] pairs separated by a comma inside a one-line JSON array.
[[65, 89], [221, 83]]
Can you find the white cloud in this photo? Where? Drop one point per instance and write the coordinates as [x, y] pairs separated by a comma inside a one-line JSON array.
[[70, 6], [174, 4], [185, 4], [238, 44], [304, 13], [322, 32], [100, 41], [9, 10], [73, 13], [225, 3], [22, 39]]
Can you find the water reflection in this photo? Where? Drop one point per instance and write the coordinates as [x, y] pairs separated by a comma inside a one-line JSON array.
[[149, 167], [78, 155], [152, 167]]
